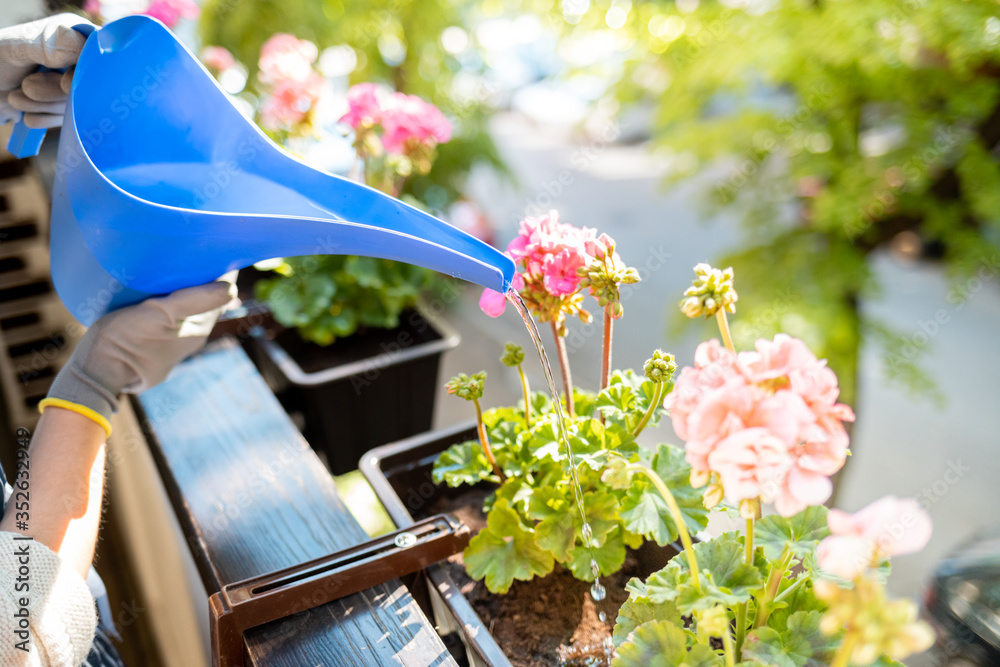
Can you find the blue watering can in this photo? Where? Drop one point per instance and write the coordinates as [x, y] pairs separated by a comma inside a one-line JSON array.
[[161, 183]]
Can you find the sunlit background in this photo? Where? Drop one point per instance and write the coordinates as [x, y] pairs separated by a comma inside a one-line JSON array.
[[840, 155]]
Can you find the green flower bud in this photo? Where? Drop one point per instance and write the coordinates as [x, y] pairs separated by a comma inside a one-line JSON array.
[[513, 355], [660, 367], [469, 388], [711, 291]]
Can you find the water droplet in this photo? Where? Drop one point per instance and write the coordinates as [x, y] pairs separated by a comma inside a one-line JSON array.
[[594, 569], [588, 534], [602, 617], [609, 649], [598, 592]]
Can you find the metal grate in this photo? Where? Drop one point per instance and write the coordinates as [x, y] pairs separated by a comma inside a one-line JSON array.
[[36, 330]]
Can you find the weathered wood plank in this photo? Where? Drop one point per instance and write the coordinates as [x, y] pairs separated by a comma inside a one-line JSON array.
[[252, 497]]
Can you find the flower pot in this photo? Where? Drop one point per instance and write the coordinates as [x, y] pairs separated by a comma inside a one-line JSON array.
[[363, 391], [400, 474]]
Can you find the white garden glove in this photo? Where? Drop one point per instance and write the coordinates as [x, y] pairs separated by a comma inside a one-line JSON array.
[[132, 349], [51, 42]]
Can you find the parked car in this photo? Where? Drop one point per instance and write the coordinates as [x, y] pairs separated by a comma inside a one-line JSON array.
[[962, 602]]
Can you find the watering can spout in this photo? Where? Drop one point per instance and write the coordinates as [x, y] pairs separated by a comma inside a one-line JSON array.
[[161, 183]]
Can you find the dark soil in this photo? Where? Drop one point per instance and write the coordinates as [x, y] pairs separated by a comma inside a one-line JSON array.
[[542, 622]]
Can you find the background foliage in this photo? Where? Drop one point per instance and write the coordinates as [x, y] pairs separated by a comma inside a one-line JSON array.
[[832, 127]]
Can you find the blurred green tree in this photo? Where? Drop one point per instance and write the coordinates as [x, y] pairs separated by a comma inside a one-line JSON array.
[[833, 128], [397, 42]]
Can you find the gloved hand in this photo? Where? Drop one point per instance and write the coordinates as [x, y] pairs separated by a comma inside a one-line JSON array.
[[51, 42], [132, 349]]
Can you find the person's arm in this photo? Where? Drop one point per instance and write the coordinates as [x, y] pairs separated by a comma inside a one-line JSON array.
[[65, 483], [128, 350]]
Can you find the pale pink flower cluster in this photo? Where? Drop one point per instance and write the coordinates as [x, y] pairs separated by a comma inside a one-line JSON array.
[[406, 120], [550, 252], [217, 58], [286, 64], [766, 421], [888, 527], [170, 12]]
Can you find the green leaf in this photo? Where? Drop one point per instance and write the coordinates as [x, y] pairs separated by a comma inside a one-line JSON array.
[[800, 645], [800, 533], [725, 576], [801, 599], [646, 512], [670, 464], [662, 644], [505, 550], [617, 401], [560, 524], [609, 557], [462, 463], [639, 609]]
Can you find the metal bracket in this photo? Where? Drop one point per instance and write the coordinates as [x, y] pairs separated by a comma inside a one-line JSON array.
[[269, 597]]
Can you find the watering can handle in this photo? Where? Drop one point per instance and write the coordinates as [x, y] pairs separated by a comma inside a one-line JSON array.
[[25, 141]]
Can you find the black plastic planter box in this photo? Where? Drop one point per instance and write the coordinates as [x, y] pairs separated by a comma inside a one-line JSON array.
[[361, 392], [400, 474]]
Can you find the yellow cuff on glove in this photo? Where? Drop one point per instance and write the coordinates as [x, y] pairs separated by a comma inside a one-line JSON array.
[[78, 409]]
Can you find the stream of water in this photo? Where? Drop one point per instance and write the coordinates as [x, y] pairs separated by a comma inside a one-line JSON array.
[[597, 590]]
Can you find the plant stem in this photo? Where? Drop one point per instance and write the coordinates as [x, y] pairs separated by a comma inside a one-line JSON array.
[[731, 652], [527, 397], [741, 628], [843, 655], [653, 404], [720, 315], [675, 512], [564, 368], [606, 358], [774, 578], [791, 589], [484, 441], [742, 609]]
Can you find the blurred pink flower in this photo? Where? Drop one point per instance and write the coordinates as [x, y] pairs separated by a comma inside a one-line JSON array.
[[285, 57], [169, 12], [92, 7], [363, 106], [493, 303], [407, 118], [217, 58], [290, 102], [750, 463], [779, 389], [553, 251], [889, 526]]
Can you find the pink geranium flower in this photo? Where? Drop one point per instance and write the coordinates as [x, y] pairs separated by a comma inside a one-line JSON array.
[[408, 119], [290, 102], [169, 12], [364, 107], [553, 251], [750, 463], [888, 527], [779, 390], [285, 57], [217, 58], [493, 303]]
